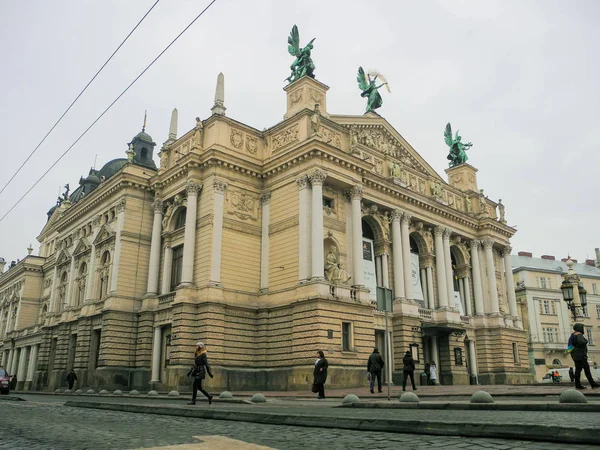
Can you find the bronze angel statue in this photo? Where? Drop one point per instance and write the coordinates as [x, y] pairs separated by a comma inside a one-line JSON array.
[[369, 88], [303, 64], [458, 150]]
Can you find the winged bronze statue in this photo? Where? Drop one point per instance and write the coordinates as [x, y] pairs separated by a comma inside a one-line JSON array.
[[369, 88], [303, 64], [458, 150]]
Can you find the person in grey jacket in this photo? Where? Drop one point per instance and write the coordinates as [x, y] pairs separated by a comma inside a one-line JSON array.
[[580, 357]]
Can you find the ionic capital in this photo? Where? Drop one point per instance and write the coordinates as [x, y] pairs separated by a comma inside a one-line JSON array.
[[317, 178], [302, 182]]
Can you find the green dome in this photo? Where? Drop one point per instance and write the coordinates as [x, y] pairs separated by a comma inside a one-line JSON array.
[[142, 135], [111, 167]]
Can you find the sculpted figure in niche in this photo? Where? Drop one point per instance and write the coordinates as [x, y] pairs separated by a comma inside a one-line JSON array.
[[483, 209], [437, 190], [164, 158], [198, 129], [469, 206], [501, 211], [395, 171], [315, 121], [335, 272]]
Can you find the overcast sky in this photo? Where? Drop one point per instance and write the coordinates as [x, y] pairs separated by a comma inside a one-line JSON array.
[[518, 78]]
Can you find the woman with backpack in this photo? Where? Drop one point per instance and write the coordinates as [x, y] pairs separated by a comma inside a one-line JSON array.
[[199, 371]]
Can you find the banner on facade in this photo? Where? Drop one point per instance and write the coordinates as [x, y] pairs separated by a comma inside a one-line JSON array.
[[417, 291], [458, 303], [370, 276]]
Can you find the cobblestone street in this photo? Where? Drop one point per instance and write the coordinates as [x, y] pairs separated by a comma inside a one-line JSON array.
[[30, 425]]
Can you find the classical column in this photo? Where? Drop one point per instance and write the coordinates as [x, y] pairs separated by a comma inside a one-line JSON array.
[[189, 238], [397, 254], [423, 277], [15, 362], [166, 276], [22, 362], [89, 283], [156, 347], [476, 268], [448, 265], [265, 200], [472, 359], [51, 306], [510, 283], [317, 178], [154, 266], [461, 292], [430, 296], [406, 263], [33, 356], [435, 355], [491, 274], [385, 278], [467, 289], [440, 268], [378, 270], [117, 254], [304, 272], [72, 274], [9, 360], [356, 193]]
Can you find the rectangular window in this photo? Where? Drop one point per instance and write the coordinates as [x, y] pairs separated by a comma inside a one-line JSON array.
[[584, 310], [346, 336], [549, 283], [589, 335], [594, 289], [539, 362], [515, 348], [327, 202], [598, 311], [176, 267], [543, 282]]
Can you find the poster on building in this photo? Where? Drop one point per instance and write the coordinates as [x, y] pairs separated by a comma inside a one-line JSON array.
[[370, 276], [417, 291], [458, 303]]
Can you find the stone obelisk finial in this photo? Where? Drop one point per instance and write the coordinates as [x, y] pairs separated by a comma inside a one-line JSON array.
[[219, 106], [172, 128]]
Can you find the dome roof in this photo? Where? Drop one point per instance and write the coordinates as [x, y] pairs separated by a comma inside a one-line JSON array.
[[143, 136], [111, 167]]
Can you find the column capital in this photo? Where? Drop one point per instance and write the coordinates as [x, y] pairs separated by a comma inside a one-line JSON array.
[[157, 205], [396, 215], [406, 217], [487, 243], [447, 233], [475, 243], [192, 187], [317, 177], [97, 221], [219, 186], [438, 231], [121, 205], [355, 192], [302, 182], [265, 197], [506, 250]]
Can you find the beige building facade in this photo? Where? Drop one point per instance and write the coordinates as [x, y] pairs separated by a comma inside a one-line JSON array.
[[546, 316], [267, 246]]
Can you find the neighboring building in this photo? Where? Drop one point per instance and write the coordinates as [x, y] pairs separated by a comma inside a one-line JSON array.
[[267, 245], [545, 313]]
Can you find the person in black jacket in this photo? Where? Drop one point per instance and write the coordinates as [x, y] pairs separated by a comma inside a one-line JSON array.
[[199, 371], [580, 356], [71, 379], [320, 373], [409, 370], [374, 367]]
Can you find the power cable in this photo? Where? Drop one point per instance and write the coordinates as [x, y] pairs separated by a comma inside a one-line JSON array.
[[105, 111], [77, 98]]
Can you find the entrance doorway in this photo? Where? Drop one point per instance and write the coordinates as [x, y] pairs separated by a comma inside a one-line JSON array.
[[165, 352]]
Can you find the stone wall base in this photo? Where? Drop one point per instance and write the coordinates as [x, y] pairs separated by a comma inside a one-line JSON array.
[[505, 378]]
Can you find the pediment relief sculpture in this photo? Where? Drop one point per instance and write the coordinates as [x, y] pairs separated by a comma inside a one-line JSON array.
[[104, 235], [242, 204], [82, 247]]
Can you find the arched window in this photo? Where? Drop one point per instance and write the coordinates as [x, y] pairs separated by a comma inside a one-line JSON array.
[[62, 291], [556, 362], [180, 219], [144, 152], [104, 271]]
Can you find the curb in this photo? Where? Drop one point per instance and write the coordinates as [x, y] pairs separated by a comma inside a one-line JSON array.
[[8, 398], [505, 431], [557, 407], [161, 397]]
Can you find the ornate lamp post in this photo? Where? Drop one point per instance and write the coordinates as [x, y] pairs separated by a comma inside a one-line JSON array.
[[576, 298]]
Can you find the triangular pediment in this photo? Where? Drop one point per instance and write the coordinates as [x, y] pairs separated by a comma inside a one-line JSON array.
[[372, 133], [58, 212], [82, 247], [63, 257], [103, 235]]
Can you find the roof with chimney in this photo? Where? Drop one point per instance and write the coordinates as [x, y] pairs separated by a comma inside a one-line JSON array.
[[547, 263]]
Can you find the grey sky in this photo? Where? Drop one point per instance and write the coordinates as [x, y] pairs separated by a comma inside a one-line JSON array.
[[518, 78]]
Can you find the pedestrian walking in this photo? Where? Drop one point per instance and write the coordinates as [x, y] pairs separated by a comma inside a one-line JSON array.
[[71, 379], [320, 374], [578, 347], [433, 375], [374, 367], [571, 374], [409, 370], [199, 371], [427, 371]]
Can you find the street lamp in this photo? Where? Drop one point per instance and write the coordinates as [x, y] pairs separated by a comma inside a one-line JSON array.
[[576, 298]]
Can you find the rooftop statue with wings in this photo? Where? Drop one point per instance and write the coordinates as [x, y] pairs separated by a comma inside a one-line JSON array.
[[458, 150], [369, 88], [303, 64]]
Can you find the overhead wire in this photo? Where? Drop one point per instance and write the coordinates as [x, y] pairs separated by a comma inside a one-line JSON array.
[[105, 111], [77, 98]]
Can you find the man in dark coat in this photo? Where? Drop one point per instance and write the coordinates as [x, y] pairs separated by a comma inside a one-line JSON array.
[[374, 367], [409, 370], [320, 374], [580, 356], [71, 379]]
